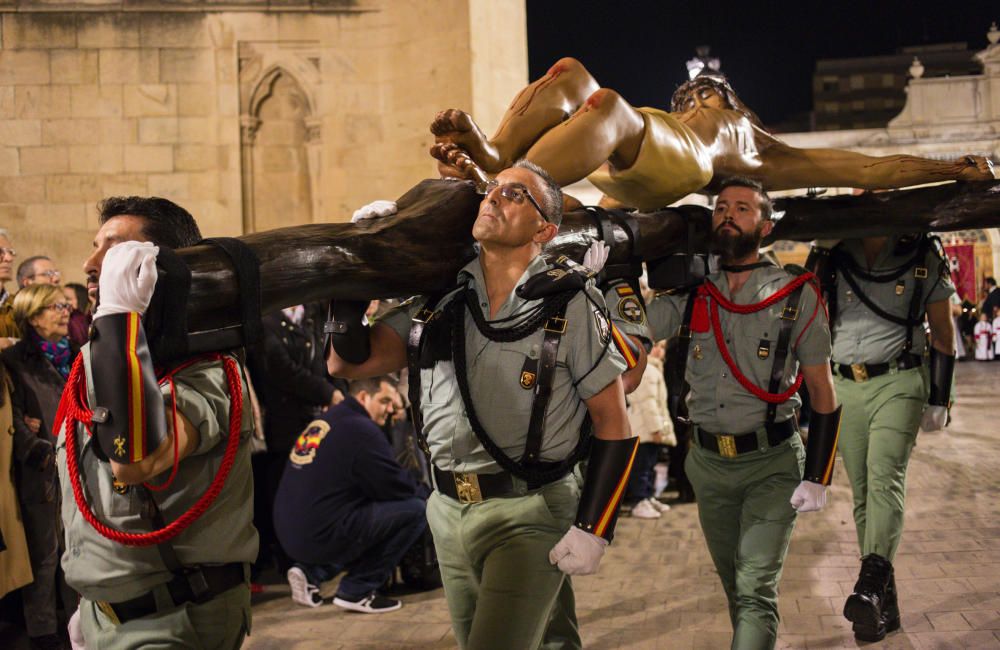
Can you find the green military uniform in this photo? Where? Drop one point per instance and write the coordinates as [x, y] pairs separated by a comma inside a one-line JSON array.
[[104, 570], [493, 554], [882, 413], [743, 500]]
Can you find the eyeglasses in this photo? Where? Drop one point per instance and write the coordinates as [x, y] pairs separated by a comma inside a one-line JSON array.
[[4, 252], [515, 192], [52, 274], [60, 306]]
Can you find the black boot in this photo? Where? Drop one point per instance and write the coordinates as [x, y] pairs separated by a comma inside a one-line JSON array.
[[890, 611], [865, 606]]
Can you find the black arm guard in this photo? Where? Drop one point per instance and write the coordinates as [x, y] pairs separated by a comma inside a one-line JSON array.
[[821, 446], [348, 331], [607, 474], [942, 373], [129, 420]]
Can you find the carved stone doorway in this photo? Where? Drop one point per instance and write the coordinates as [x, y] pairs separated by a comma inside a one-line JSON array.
[[280, 136]]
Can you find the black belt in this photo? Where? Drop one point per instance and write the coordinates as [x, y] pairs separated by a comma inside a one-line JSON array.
[[473, 488], [731, 446], [219, 579], [865, 371]]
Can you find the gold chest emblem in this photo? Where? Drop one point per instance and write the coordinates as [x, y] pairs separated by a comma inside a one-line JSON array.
[[527, 379], [697, 353]]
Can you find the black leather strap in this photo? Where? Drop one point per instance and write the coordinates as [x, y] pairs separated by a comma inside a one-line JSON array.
[[675, 383], [246, 266], [414, 345], [218, 579], [777, 433], [789, 315], [870, 370], [491, 486], [554, 329]]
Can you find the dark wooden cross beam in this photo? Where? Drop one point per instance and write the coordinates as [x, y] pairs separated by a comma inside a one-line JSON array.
[[422, 247]]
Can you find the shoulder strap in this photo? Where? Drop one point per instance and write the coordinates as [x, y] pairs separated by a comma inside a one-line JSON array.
[[535, 474], [246, 266], [789, 315], [554, 329], [414, 344], [675, 382]]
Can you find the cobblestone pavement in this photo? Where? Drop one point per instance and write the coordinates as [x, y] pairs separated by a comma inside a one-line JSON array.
[[657, 587]]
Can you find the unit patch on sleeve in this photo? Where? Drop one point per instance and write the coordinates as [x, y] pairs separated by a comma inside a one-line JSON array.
[[308, 441], [603, 326], [630, 309]]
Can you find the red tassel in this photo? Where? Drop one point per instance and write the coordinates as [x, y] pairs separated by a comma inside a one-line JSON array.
[[699, 315]]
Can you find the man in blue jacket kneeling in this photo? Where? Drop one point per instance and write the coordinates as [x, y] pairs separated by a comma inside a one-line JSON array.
[[344, 503]]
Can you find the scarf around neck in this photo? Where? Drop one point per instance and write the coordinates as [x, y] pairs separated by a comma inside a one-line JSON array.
[[59, 353]]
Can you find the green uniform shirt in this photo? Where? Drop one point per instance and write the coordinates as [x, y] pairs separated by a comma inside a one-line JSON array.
[[100, 569], [861, 335], [717, 402], [586, 364]]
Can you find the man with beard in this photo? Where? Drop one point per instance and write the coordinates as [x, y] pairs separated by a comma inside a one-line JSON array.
[[752, 332]]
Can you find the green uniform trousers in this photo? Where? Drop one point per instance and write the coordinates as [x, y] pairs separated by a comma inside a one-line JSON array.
[[494, 557], [220, 624], [878, 429], [745, 514]]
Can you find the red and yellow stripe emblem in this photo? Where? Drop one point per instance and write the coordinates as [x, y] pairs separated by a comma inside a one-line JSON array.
[[136, 397], [616, 497], [623, 347], [625, 290]]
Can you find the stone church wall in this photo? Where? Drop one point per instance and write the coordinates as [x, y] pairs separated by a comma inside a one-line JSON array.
[[251, 114]]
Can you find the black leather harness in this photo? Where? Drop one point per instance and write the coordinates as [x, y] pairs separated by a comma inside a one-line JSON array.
[[677, 385], [437, 333]]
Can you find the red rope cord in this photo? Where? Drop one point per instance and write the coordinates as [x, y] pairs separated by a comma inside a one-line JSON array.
[[709, 289], [72, 409]]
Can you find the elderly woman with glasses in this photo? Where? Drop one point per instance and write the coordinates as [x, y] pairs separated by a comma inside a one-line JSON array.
[[39, 365]]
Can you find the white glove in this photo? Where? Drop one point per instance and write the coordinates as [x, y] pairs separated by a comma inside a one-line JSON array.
[[935, 418], [75, 631], [374, 209], [808, 497], [128, 277], [596, 256], [578, 553]]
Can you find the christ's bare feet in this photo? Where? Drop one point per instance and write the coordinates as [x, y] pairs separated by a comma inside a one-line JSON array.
[[458, 127], [977, 168]]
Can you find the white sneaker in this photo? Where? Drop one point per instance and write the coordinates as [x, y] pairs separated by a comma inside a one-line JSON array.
[[658, 505], [302, 592], [645, 510]]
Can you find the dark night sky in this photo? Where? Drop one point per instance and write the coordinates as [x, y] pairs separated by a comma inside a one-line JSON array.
[[638, 47]]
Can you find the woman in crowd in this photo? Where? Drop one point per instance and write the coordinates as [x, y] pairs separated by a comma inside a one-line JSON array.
[[79, 312], [39, 365], [650, 420]]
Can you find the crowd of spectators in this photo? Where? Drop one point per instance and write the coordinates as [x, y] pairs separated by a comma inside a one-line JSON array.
[[42, 326]]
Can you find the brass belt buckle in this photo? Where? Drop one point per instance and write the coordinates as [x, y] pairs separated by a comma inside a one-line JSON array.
[[727, 446], [108, 610], [859, 371], [467, 487]]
